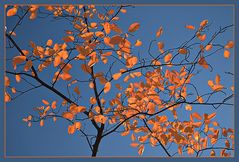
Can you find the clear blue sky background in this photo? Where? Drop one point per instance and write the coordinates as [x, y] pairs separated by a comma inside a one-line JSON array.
[[52, 139]]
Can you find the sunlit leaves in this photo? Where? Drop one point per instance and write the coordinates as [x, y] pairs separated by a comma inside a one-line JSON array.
[[107, 87], [141, 149], [203, 62], [53, 105], [71, 129], [130, 62], [68, 115], [18, 60], [134, 27], [203, 23], [116, 40], [41, 123], [226, 54], [116, 76], [7, 97], [196, 116], [68, 38], [230, 44], [12, 11], [216, 86], [107, 28], [138, 43], [18, 77], [86, 68], [208, 47], [167, 58], [100, 119]]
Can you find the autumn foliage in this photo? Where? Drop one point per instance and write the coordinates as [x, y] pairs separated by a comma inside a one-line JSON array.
[[141, 97]]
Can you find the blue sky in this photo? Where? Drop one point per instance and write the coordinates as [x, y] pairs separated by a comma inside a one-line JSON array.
[[52, 139]]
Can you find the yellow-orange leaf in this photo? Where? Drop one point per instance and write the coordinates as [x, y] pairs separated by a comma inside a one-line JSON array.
[[71, 129], [17, 60], [49, 42], [106, 26], [99, 34], [7, 97], [226, 53], [134, 27], [208, 47], [203, 62], [167, 58], [116, 76], [42, 123], [141, 149], [57, 61], [134, 144], [65, 76], [191, 27], [77, 125], [28, 65], [230, 44], [107, 87], [53, 105], [180, 152], [12, 11], [45, 102], [115, 28], [138, 43], [160, 45], [188, 107], [159, 32], [197, 116], [100, 119], [203, 23], [68, 115], [130, 62]]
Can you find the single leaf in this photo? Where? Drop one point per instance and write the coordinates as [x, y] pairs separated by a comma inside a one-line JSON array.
[[116, 76], [18, 78], [182, 51], [106, 26], [71, 129], [77, 125], [190, 27], [12, 11], [107, 87], [141, 149], [208, 47], [138, 43], [159, 32], [196, 116], [230, 44], [134, 27], [226, 54], [68, 115], [68, 38], [45, 102], [53, 105]]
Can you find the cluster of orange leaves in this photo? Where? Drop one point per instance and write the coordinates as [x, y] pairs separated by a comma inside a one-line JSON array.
[[142, 98]]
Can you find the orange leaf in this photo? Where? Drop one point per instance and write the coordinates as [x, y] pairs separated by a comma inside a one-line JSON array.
[[197, 116], [115, 28], [182, 51], [86, 68], [68, 115], [45, 102], [42, 123], [76, 90], [65, 76], [99, 34], [188, 107], [159, 32], [116, 40], [141, 149], [107, 87], [28, 65], [106, 26], [17, 60], [7, 97], [77, 125], [134, 144], [134, 27], [190, 27], [130, 62], [226, 54], [168, 58], [53, 105], [12, 11], [138, 43], [203, 23], [230, 44], [49, 42], [18, 78], [116, 76], [71, 129], [68, 38], [203, 62], [160, 45], [217, 79], [57, 61], [208, 47]]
